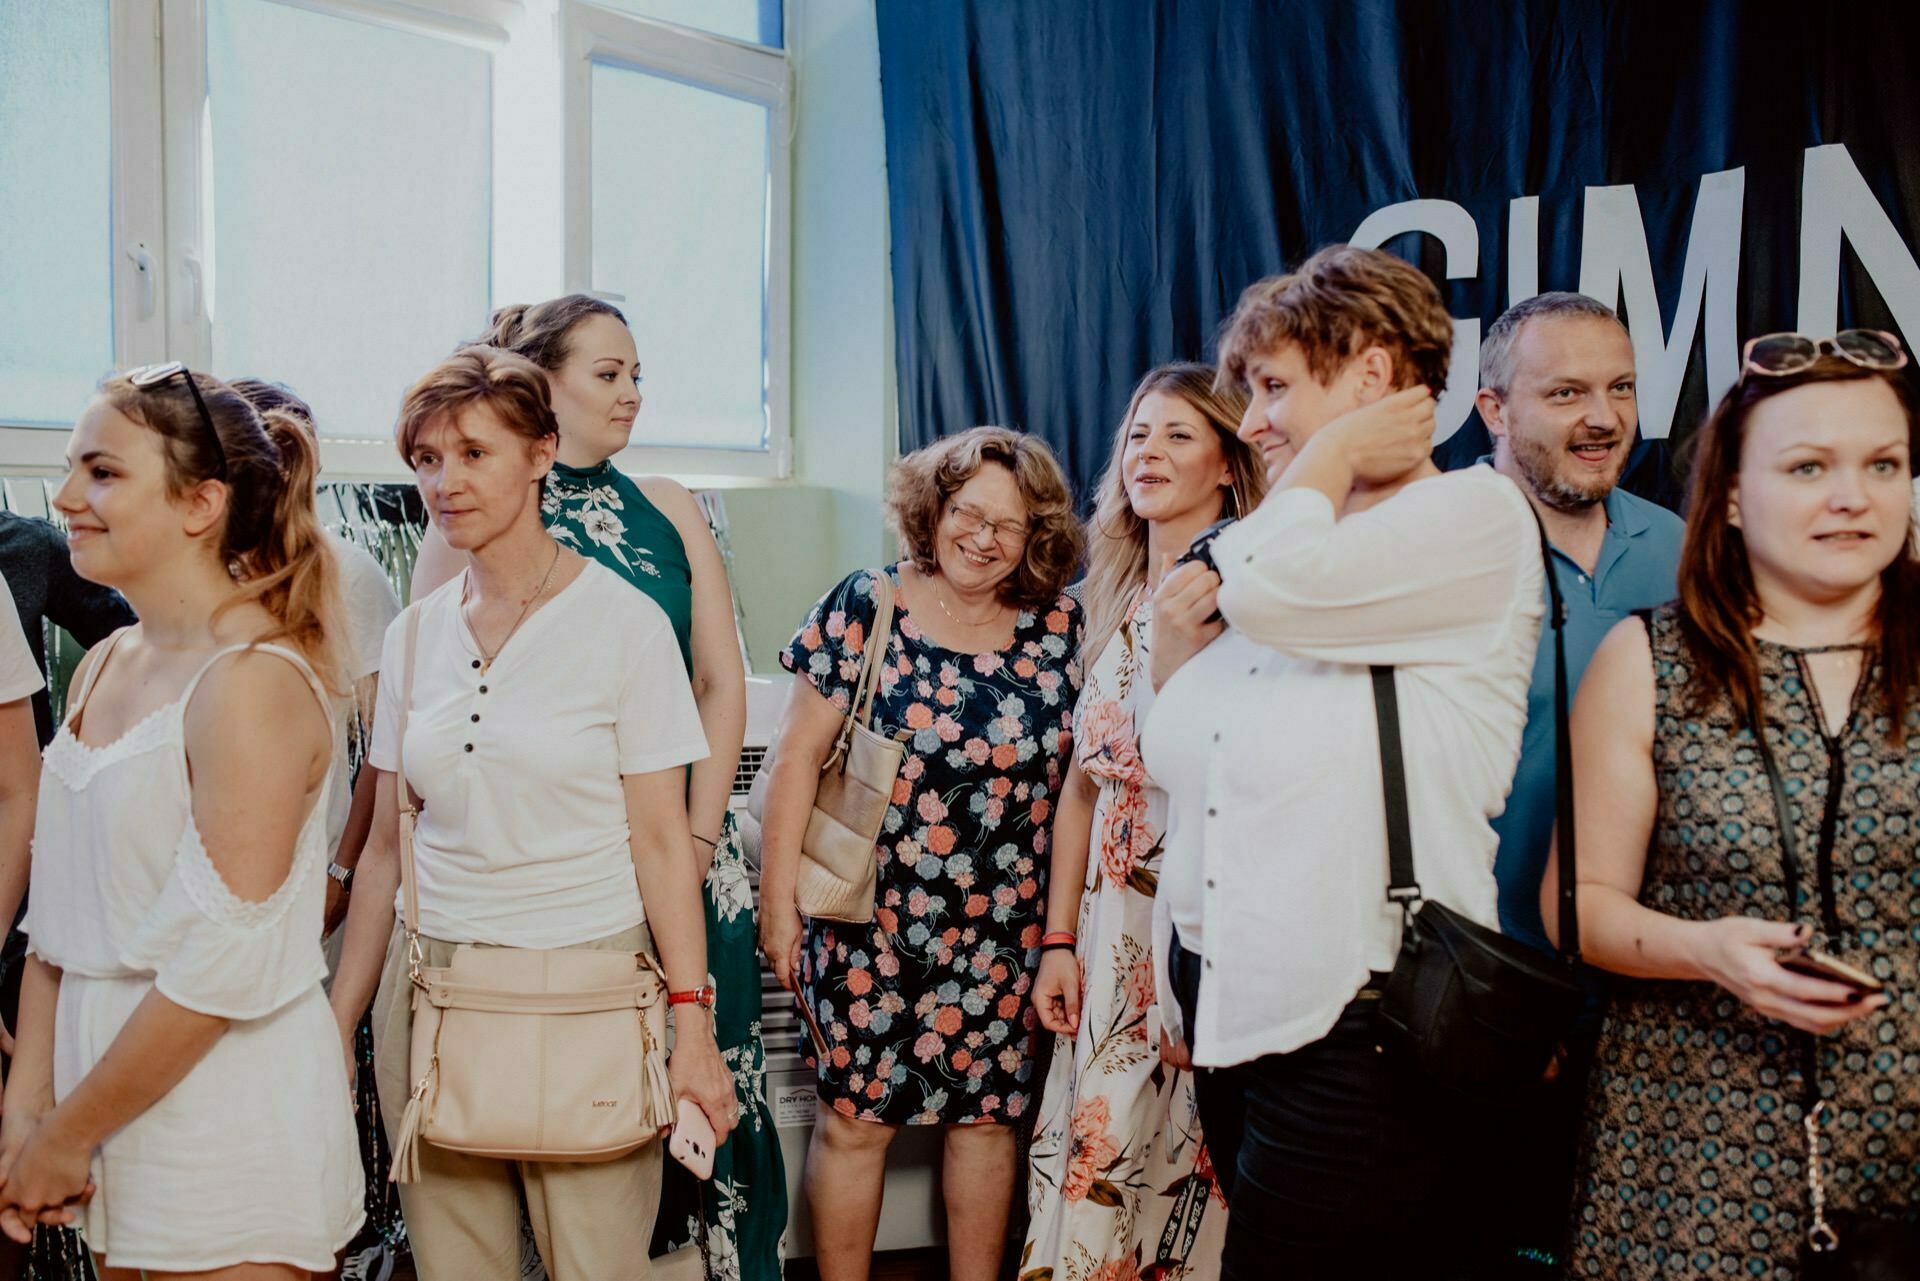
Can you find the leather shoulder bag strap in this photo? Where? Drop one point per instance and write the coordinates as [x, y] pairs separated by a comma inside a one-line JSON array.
[[409, 801], [1402, 888], [867, 688], [1564, 831]]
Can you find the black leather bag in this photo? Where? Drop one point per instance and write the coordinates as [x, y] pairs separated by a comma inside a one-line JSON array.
[[1474, 1012]]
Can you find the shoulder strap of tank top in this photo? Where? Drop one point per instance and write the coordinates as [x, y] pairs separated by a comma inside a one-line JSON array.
[[72, 719]]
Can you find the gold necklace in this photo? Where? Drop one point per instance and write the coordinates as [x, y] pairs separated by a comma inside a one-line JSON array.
[[486, 659], [942, 602]]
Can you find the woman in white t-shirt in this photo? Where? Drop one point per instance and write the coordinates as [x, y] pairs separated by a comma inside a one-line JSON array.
[[533, 776], [20, 680]]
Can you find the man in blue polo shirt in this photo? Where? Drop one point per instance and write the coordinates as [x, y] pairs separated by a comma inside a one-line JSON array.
[[1557, 395]]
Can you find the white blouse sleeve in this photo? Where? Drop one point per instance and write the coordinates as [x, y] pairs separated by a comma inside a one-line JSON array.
[[1425, 577], [657, 724], [382, 752], [19, 675], [221, 955]]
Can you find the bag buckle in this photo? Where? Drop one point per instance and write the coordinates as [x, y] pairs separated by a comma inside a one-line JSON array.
[[1407, 896], [416, 957]]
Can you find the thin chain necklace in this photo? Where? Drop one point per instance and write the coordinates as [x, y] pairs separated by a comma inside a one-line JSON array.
[[942, 602], [486, 659]]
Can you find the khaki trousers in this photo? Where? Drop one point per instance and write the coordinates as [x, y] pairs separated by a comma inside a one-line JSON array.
[[592, 1221]]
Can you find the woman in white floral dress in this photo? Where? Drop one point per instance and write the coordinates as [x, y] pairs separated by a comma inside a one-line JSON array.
[[1121, 1186]]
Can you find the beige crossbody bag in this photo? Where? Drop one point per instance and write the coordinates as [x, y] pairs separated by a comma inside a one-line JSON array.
[[525, 1053], [838, 868]]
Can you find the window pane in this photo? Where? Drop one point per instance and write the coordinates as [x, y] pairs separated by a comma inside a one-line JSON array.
[[755, 21], [680, 229], [56, 213], [351, 205]]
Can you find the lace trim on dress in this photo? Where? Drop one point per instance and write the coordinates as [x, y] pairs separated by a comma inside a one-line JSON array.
[[208, 889], [76, 763]]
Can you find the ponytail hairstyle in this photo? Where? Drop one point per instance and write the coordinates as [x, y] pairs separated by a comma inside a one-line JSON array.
[[271, 541], [540, 331]]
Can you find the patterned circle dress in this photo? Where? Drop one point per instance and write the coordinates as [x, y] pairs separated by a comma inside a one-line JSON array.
[[926, 1010], [1695, 1157]]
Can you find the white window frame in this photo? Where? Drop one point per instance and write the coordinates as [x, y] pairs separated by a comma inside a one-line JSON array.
[[751, 72], [137, 221]]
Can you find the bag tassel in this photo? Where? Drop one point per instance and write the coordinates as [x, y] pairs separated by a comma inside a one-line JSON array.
[[406, 1144], [658, 1089]]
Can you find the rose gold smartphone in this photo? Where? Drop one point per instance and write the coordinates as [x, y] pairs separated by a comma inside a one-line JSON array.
[[693, 1141], [1819, 965]]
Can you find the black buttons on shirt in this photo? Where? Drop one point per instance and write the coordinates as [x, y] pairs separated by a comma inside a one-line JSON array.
[[469, 747], [476, 716], [483, 689], [476, 664]]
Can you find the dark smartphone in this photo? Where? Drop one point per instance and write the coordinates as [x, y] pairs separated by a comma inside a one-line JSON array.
[[1201, 549], [1819, 965]]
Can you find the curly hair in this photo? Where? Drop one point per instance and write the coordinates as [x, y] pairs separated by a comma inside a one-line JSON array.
[[925, 481], [1333, 306]]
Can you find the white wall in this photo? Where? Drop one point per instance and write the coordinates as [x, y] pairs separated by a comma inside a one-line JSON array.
[[792, 543]]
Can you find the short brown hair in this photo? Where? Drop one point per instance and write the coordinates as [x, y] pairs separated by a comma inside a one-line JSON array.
[[1333, 306], [512, 386], [924, 481]]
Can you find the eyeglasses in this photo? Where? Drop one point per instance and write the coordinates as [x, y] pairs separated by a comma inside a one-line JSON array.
[[148, 377], [1777, 355], [971, 520]]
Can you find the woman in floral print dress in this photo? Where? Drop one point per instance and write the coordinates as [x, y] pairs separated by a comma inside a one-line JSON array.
[[925, 1009], [1120, 1181], [653, 534]]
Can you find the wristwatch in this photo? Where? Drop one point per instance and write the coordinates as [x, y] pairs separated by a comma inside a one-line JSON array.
[[344, 875], [704, 997]]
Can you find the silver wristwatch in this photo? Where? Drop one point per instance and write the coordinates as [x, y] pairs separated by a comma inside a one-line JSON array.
[[344, 875]]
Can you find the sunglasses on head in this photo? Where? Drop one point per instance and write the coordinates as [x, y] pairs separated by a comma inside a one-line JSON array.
[[1776, 355], [148, 377]]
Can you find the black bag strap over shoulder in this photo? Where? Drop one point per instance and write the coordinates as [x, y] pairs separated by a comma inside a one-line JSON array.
[[1403, 887]]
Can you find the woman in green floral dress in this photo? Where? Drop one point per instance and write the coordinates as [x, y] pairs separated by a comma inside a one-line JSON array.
[[653, 534]]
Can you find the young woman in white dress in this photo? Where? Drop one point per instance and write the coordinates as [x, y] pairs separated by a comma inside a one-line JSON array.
[[175, 1093]]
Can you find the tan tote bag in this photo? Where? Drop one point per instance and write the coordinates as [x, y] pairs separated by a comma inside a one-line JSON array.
[[838, 869], [523, 1053]]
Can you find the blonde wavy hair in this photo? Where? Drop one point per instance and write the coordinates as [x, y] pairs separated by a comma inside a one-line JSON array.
[[1116, 537]]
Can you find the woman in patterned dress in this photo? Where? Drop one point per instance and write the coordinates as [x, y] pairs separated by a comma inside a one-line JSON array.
[[1795, 620], [926, 1010], [1120, 1180], [652, 533]]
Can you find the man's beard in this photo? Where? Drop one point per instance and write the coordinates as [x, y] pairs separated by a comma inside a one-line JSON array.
[[1541, 464]]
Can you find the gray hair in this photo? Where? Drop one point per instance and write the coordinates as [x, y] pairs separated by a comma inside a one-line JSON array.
[[1496, 350]]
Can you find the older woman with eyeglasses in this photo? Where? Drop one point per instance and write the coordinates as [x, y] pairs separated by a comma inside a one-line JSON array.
[[926, 1011]]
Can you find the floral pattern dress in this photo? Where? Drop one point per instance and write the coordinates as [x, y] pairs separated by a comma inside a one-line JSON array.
[[1120, 1185], [926, 1010], [738, 1217]]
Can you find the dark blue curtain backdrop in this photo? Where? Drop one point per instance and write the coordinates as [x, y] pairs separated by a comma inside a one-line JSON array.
[[1080, 189]]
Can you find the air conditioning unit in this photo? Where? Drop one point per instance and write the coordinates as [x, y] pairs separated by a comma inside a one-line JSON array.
[[911, 1216]]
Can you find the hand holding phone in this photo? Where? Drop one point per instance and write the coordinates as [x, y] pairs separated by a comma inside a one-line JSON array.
[[1818, 965], [693, 1142]]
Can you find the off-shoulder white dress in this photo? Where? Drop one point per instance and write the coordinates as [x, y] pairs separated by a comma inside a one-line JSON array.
[[253, 1156]]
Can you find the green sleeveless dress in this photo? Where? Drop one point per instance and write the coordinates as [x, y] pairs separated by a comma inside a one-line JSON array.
[[739, 1217]]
